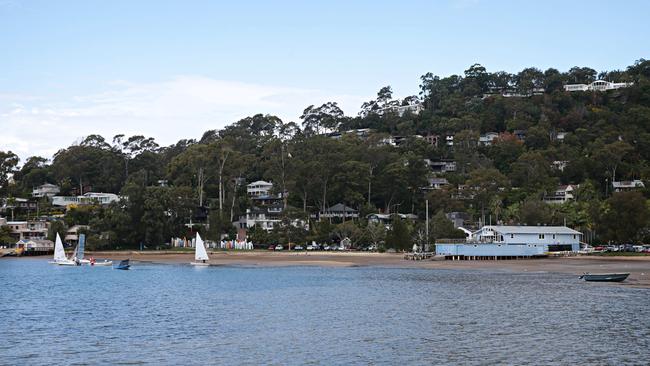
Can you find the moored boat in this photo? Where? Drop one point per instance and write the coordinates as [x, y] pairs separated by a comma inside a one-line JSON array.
[[604, 277], [123, 265]]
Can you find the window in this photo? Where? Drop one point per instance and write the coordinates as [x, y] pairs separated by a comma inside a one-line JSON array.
[[541, 236], [512, 236], [553, 236]]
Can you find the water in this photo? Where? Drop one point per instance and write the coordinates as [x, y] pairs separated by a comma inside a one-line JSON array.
[[175, 314]]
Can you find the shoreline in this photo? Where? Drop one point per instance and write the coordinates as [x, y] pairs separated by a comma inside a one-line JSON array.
[[638, 267]]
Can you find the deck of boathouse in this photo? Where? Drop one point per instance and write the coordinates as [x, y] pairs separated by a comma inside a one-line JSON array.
[[467, 250]]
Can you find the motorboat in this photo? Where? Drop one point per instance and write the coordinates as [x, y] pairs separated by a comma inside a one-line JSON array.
[[604, 277]]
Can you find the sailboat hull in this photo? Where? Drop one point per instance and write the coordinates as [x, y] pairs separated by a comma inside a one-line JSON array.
[[199, 264], [102, 264], [67, 263]]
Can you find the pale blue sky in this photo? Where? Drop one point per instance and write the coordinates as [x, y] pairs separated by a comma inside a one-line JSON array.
[[172, 69]]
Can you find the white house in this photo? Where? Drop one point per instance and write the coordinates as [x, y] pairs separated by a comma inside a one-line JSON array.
[[488, 138], [45, 190], [436, 183], [629, 185], [562, 194], [86, 199], [598, 85], [259, 188]]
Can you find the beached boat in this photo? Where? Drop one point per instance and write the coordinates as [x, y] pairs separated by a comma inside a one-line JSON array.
[[123, 265], [200, 254], [604, 277]]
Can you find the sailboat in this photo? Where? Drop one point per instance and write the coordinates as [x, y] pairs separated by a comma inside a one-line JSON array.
[[72, 261], [79, 252], [200, 254], [59, 252]]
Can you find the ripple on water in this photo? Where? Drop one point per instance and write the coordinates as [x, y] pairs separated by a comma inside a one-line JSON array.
[[310, 315]]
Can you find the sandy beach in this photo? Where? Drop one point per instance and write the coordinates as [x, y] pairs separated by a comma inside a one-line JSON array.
[[638, 267]]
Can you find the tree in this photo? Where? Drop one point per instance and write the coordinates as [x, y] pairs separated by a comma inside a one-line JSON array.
[[485, 184], [8, 163], [326, 117], [441, 227], [56, 227], [5, 235], [399, 235], [625, 218]]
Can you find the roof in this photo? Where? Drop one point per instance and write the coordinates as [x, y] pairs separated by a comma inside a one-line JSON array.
[[339, 207], [634, 183], [260, 183], [532, 229]]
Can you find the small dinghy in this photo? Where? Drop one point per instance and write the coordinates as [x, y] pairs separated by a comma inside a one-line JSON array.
[[59, 253], [200, 254], [103, 263], [604, 277], [124, 265]]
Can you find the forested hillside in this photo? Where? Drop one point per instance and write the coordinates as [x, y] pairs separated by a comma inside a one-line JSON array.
[[542, 137]]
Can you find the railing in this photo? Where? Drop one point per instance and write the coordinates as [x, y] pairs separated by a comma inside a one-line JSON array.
[[467, 241]]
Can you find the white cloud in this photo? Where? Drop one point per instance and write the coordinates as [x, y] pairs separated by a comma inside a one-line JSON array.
[[183, 107]]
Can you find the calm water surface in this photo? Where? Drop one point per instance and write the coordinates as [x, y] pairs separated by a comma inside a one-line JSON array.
[[177, 314]]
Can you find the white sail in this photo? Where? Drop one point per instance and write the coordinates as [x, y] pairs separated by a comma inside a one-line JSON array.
[[200, 254], [59, 252], [73, 255]]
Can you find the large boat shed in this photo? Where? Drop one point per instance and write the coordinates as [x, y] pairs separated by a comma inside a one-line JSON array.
[[493, 241]]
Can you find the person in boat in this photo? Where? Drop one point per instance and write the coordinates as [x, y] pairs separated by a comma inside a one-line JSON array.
[[92, 261]]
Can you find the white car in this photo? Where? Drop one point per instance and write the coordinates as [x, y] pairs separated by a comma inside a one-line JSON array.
[[279, 247]]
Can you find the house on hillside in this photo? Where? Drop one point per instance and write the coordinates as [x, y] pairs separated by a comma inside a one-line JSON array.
[[436, 183], [32, 229], [598, 85], [628, 185], [340, 211], [386, 219], [72, 234], [45, 190], [487, 139], [562, 194], [259, 188], [432, 140], [88, 198], [441, 166]]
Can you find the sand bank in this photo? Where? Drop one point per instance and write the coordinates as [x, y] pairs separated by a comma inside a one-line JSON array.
[[638, 267]]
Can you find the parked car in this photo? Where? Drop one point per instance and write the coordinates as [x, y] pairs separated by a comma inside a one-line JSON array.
[[311, 247], [279, 247], [271, 247], [327, 248], [298, 247]]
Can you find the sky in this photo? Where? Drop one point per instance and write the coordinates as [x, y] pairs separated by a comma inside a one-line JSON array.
[[174, 69]]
